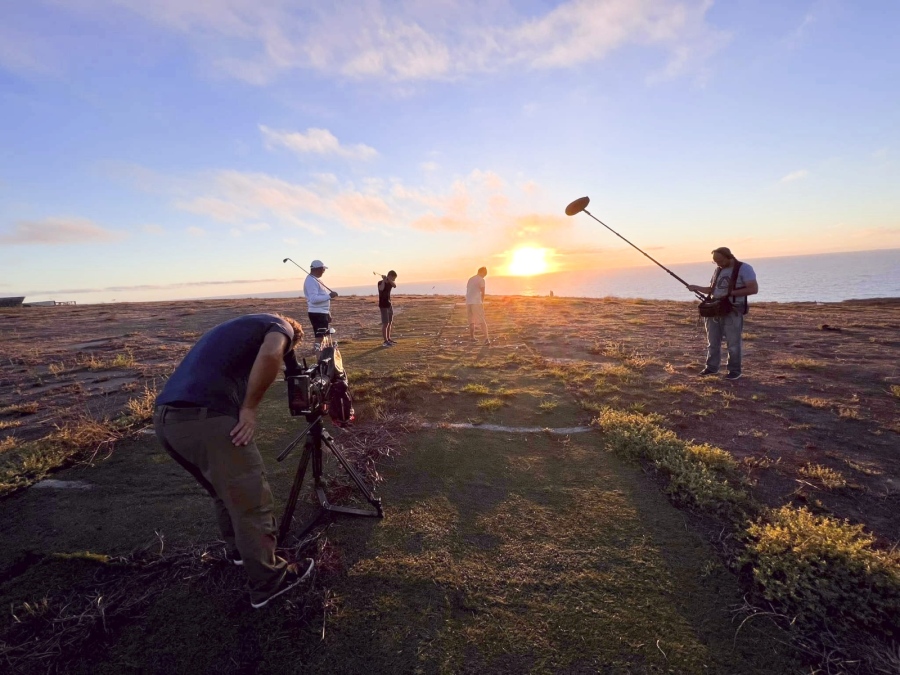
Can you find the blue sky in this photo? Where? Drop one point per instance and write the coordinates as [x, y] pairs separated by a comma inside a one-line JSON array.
[[156, 149]]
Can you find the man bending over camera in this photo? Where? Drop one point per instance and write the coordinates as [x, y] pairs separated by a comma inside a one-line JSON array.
[[206, 418]]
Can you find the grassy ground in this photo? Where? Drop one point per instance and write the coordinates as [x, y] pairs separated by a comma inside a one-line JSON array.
[[499, 552]]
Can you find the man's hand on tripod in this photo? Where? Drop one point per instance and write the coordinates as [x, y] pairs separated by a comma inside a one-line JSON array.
[[246, 426]]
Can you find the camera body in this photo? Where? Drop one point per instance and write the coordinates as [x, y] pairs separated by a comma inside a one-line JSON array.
[[307, 392], [319, 389]]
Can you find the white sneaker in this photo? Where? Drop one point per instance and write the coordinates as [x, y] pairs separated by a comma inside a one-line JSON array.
[[294, 576]]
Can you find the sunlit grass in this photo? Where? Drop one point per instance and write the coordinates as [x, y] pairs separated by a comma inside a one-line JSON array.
[[813, 402], [829, 478], [141, 409], [800, 363], [490, 404], [20, 409]]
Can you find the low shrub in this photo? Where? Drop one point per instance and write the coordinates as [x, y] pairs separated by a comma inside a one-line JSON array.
[[697, 473], [825, 573]]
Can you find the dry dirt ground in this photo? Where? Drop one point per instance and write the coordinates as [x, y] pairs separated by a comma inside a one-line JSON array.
[[815, 419], [500, 552]]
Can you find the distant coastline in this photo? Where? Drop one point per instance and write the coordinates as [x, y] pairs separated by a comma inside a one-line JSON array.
[[827, 277]]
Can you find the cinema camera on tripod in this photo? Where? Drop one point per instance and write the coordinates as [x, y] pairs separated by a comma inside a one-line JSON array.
[[314, 392]]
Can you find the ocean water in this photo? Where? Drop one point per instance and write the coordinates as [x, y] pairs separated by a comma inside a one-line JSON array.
[[828, 277]]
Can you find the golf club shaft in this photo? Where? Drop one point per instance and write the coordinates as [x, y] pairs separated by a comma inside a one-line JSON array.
[[308, 274], [699, 295]]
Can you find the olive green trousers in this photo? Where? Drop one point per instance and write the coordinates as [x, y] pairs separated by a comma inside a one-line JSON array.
[[234, 476]]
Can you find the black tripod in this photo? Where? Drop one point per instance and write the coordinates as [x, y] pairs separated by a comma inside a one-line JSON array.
[[316, 437]]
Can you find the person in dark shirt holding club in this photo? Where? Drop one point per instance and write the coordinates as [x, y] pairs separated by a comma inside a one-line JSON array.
[[206, 419], [385, 286]]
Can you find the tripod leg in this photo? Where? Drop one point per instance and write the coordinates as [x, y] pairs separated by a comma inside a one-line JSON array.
[[372, 499], [288, 514]]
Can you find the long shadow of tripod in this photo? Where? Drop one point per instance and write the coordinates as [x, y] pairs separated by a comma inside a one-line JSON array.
[[316, 438]]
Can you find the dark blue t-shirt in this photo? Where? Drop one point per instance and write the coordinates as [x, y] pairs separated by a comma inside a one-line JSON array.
[[215, 372]]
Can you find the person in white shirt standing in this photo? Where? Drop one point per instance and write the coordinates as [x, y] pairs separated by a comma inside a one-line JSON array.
[[318, 300], [475, 304]]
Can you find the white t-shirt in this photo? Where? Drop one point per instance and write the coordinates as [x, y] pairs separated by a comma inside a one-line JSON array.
[[745, 275], [474, 290]]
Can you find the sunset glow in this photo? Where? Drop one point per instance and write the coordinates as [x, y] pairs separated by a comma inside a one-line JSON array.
[[528, 261], [451, 135]]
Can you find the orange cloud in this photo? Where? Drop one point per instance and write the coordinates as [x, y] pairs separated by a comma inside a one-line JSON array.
[[53, 231]]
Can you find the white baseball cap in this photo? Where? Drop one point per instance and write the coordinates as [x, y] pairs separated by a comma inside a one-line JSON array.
[[316, 264]]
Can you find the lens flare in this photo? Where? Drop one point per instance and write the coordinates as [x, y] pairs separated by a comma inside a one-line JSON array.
[[528, 261]]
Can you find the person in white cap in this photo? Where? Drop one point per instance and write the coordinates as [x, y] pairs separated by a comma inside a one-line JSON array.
[[318, 300]]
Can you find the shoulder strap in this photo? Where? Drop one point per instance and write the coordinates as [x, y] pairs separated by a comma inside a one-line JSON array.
[[712, 283], [734, 276]]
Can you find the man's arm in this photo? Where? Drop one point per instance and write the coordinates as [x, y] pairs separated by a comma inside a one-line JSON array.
[[751, 288], [263, 373], [385, 280]]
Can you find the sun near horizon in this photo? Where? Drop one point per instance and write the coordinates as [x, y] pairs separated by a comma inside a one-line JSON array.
[[527, 261]]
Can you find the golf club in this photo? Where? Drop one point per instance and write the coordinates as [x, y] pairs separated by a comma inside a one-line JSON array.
[[580, 205], [319, 280]]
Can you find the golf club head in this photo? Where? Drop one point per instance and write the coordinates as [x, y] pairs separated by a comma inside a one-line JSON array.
[[577, 206], [285, 260]]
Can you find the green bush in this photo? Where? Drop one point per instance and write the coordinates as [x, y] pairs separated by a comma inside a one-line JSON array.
[[825, 572], [697, 473]]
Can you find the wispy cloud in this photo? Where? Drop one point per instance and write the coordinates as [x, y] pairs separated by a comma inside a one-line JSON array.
[[53, 231], [819, 14], [795, 176], [152, 229], [21, 53], [796, 37], [252, 202], [315, 141], [364, 39], [539, 225], [246, 198]]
